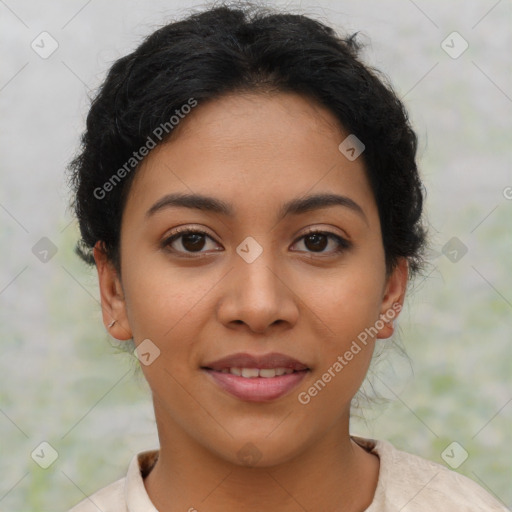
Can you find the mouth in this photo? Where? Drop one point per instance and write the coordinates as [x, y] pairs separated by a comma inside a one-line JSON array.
[[252, 373], [256, 378]]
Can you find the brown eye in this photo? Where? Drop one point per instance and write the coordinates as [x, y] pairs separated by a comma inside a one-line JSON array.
[[186, 241], [317, 241], [193, 241]]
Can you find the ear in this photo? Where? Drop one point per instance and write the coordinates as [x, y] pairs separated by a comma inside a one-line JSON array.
[[393, 297], [113, 305]]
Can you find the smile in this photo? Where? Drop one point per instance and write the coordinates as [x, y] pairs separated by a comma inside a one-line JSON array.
[[251, 373]]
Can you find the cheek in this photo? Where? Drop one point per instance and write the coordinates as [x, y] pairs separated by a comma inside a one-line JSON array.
[[159, 297], [169, 307], [348, 300], [349, 307]]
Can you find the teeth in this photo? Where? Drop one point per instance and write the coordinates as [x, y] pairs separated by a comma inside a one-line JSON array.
[[251, 373]]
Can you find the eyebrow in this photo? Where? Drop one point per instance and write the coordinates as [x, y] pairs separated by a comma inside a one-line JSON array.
[[293, 207]]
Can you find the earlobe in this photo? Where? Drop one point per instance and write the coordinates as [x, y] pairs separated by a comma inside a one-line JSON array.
[[393, 298], [113, 304]]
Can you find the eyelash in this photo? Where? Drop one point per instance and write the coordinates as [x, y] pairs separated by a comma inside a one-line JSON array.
[[342, 243]]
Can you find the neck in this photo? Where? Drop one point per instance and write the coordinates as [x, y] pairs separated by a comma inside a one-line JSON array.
[[333, 473]]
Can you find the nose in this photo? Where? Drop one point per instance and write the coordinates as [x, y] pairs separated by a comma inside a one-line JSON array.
[[258, 296]]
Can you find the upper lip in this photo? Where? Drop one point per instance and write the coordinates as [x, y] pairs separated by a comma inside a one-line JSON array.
[[244, 360]]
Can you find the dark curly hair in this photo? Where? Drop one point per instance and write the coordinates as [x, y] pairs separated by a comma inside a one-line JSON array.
[[245, 48]]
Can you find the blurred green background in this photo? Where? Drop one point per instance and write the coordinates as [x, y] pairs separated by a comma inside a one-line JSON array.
[[62, 379]]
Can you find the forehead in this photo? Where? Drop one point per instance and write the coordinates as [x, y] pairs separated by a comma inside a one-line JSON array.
[[249, 147], [267, 121]]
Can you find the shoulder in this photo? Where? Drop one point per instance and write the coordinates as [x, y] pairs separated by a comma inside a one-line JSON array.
[[109, 498], [412, 484]]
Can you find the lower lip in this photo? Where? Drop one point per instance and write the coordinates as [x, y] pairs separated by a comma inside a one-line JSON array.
[[257, 389]]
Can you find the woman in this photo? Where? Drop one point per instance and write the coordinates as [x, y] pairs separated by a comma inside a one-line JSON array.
[[248, 192]]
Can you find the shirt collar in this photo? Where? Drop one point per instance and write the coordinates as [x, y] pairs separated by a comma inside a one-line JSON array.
[[136, 496]]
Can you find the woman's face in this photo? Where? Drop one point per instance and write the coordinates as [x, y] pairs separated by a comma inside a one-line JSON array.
[[253, 282]]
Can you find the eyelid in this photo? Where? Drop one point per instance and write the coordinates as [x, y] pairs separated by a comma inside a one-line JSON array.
[[175, 235], [343, 242], [328, 230], [187, 228]]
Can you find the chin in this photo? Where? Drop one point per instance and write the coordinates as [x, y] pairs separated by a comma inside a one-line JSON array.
[[261, 451]]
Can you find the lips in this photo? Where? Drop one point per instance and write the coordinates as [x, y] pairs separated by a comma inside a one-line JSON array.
[[256, 378], [242, 360]]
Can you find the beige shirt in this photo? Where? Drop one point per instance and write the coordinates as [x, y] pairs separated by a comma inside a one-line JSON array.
[[406, 483]]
